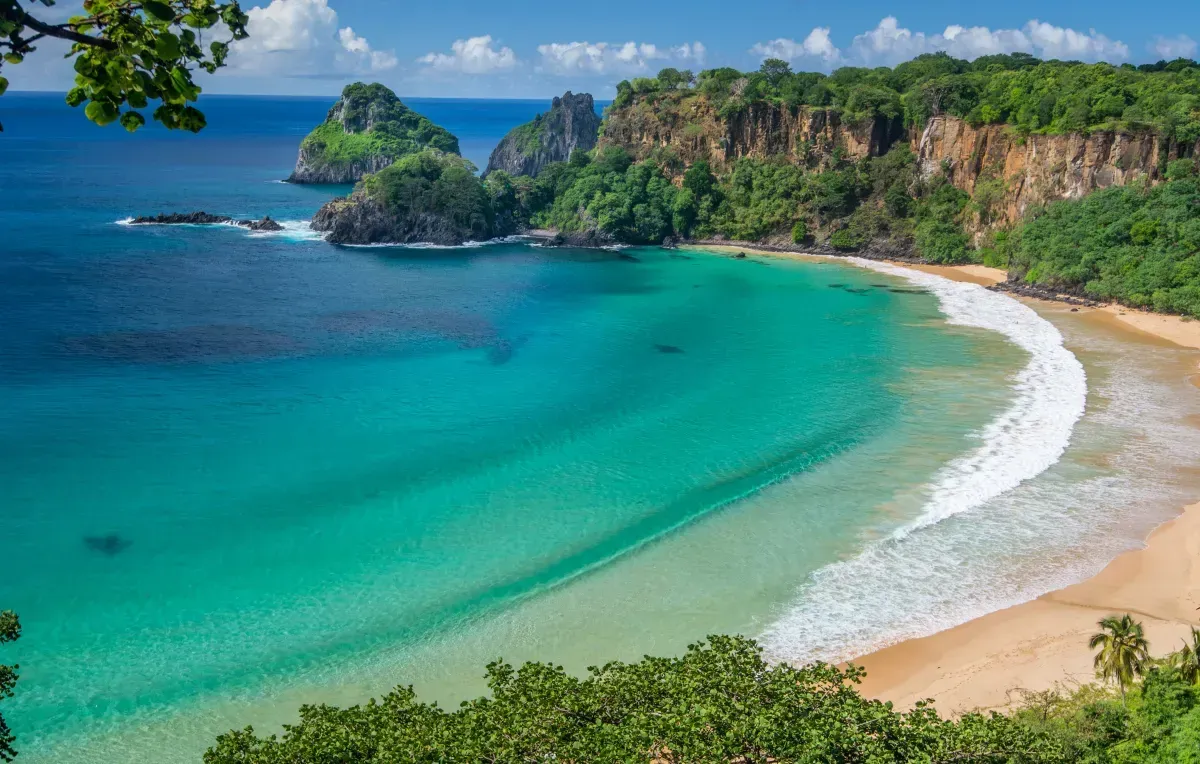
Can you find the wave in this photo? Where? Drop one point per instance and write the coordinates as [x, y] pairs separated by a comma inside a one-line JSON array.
[[877, 598], [294, 230], [517, 239]]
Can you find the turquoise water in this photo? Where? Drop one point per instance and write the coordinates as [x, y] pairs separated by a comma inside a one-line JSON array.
[[245, 472]]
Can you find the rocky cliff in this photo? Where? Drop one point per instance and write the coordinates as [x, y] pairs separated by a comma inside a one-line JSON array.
[[571, 123], [368, 129], [430, 197], [1007, 173], [693, 129]]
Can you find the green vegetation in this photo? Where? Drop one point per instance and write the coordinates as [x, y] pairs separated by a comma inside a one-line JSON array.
[[528, 136], [720, 702], [432, 183], [1033, 96], [1137, 245], [128, 54], [10, 631], [851, 205], [370, 122]]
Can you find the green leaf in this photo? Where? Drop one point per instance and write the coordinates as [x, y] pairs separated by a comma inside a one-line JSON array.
[[13, 58], [167, 46], [158, 10], [101, 112], [3, 85], [76, 96], [131, 120]]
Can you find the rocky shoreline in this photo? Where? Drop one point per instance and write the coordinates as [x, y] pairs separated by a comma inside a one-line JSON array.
[[204, 218]]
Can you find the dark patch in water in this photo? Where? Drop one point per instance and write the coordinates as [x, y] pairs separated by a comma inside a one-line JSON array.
[[196, 344], [857, 290], [882, 286], [111, 545], [500, 353], [627, 258], [902, 290], [677, 256], [836, 286], [467, 329], [668, 349]]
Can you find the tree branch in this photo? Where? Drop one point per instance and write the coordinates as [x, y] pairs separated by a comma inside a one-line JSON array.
[[20, 16]]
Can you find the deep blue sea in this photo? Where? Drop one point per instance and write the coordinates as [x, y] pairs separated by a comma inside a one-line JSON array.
[[243, 472]]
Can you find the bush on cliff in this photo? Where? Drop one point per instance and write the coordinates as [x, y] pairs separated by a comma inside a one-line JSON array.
[[1136, 245], [719, 702]]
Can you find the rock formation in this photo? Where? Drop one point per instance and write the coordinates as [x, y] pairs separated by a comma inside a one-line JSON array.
[[204, 218], [368, 129], [430, 197], [571, 123]]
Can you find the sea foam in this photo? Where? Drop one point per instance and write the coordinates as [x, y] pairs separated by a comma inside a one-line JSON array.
[[896, 587]]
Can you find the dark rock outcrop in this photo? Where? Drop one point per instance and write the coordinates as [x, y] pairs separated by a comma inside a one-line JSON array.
[[428, 198], [571, 123], [368, 129], [589, 239], [204, 218]]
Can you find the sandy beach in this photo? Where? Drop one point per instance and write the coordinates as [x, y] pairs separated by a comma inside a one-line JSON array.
[[989, 662]]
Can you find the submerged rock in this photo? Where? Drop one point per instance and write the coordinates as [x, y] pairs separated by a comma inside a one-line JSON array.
[[111, 545], [204, 218], [572, 123]]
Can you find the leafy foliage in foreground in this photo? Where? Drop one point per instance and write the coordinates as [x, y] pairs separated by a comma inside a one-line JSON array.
[[10, 631], [128, 54], [719, 702], [1136, 245]]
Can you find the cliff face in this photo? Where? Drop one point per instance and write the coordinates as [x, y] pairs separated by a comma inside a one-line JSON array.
[[368, 129], [571, 123], [694, 130], [1008, 174]]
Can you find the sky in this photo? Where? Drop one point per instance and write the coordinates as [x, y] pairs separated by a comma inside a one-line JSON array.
[[538, 48]]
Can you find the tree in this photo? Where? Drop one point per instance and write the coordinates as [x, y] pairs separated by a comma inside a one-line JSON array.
[[131, 52], [1187, 659], [10, 631], [1124, 651]]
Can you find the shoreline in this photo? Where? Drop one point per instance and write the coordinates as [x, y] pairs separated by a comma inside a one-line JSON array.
[[989, 662]]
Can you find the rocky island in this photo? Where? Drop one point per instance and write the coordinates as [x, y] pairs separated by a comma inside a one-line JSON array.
[[431, 197], [368, 129], [571, 124]]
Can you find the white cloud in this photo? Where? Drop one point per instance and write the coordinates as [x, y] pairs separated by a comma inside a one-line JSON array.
[[817, 44], [472, 56], [301, 38], [889, 44], [620, 59], [1174, 47]]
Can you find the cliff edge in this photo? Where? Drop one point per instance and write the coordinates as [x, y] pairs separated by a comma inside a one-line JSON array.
[[571, 123]]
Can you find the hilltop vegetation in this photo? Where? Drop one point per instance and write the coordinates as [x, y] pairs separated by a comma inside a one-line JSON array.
[[1016, 89], [365, 131]]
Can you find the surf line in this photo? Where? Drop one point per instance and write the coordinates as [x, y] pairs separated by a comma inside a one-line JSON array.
[[1018, 444]]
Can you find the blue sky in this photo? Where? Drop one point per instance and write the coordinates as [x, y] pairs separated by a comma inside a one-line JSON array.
[[538, 48]]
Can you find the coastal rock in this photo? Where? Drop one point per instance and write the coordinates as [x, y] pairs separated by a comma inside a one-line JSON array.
[[571, 123], [1010, 173], [589, 239], [204, 218], [429, 198], [367, 130]]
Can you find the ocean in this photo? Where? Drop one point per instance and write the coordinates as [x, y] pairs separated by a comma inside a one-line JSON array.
[[242, 472]]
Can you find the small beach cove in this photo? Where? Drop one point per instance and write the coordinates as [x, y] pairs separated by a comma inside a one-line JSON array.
[[991, 661]]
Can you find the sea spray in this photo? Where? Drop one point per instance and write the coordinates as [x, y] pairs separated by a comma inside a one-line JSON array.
[[849, 607]]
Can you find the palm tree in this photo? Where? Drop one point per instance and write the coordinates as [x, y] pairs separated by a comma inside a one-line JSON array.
[[1187, 659], [1124, 650]]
